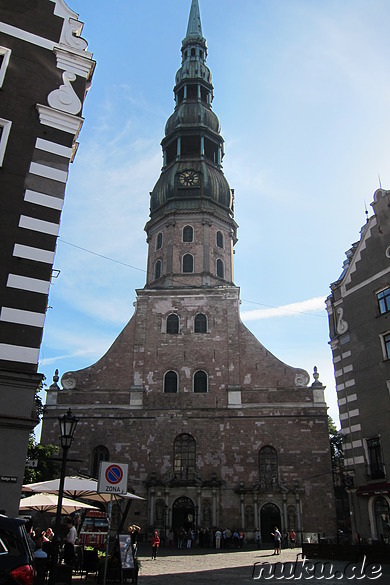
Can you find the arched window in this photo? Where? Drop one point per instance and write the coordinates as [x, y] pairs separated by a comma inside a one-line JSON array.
[[173, 324], [382, 518], [159, 241], [170, 382], [188, 263], [219, 239], [157, 269], [268, 468], [200, 325], [184, 456], [100, 453], [188, 234], [200, 382], [220, 268]]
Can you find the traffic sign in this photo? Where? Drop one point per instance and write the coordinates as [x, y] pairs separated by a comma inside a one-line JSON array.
[[112, 478]]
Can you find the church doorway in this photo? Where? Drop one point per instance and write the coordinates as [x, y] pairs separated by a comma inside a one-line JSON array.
[[183, 513], [382, 519], [269, 518]]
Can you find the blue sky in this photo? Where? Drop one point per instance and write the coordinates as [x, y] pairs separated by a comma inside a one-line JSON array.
[[302, 89]]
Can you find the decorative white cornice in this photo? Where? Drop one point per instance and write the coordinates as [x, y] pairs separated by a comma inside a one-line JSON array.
[[63, 10], [70, 39], [71, 29], [74, 62], [60, 120], [65, 98]]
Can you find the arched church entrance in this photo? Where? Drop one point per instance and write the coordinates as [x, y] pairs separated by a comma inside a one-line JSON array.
[[269, 518], [183, 513]]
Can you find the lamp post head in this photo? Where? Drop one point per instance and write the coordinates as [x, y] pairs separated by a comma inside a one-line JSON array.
[[68, 424]]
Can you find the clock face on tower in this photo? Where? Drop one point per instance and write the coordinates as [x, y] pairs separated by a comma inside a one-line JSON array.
[[189, 179]]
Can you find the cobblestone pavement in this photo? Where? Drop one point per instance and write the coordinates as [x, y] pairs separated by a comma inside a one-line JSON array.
[[194, 567], [247, 566]]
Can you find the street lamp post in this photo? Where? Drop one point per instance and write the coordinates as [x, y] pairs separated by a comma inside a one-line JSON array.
[[68, 424]]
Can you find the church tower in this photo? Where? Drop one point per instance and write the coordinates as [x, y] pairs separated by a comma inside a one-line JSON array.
[[191, 231], [216, 430]]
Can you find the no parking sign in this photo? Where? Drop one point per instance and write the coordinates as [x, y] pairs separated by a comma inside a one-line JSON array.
[[112, 478]]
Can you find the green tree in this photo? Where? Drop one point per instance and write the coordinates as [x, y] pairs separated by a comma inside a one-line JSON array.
[[336, 451], [40, 465], [41, 456]]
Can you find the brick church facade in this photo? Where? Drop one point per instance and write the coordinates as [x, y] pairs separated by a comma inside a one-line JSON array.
[[216, 430]]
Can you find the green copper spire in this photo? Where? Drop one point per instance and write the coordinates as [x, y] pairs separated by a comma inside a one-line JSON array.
[[193, 145], [194, 28]]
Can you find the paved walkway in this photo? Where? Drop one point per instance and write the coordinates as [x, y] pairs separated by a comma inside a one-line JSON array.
[[247, 566], [241, 567]]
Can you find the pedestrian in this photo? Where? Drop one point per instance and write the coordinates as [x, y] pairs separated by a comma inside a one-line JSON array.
[[258, 538], [277, 540], [134, 531], [285, 539], [155, 544], [241, 538], [38, 552], [70, 541], [30, 535], [218, 536], [292, 538], [228, 537], [189, 538], [236, 538]]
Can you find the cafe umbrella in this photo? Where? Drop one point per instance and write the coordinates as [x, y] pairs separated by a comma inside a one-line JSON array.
[[43, 502]]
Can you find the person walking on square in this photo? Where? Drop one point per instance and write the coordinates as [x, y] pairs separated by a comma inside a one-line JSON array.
[[258, 538], [155, 544], [277, 540], [292, 538], [218, 536]]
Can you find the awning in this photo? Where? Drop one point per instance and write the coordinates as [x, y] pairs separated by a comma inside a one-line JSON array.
[[374, 489]]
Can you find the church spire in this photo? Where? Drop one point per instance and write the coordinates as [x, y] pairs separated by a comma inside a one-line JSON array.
[[192, 231], [194, 28]]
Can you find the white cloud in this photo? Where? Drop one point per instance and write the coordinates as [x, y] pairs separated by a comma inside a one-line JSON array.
[[290, 310]]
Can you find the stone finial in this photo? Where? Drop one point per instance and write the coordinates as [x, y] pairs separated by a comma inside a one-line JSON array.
[[316, 377], [54, 387]]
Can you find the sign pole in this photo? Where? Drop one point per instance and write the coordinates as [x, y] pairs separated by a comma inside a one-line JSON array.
[[108, 540], [113, 481]]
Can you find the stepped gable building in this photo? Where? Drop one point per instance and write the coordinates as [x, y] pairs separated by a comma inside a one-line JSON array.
[[215, 429], [359, 325], [45, 70]]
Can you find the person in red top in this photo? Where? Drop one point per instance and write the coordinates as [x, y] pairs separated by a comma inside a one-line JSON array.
[[155, 544]]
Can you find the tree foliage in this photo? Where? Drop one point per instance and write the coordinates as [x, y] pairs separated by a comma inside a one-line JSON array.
[[336, 450], [42, 455], [39, 465]]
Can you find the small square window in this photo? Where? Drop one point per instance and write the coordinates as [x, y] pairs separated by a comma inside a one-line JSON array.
[[383, 298]]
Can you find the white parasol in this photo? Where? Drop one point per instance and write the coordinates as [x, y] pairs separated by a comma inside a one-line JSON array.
[[77, 487], [48, 503]]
